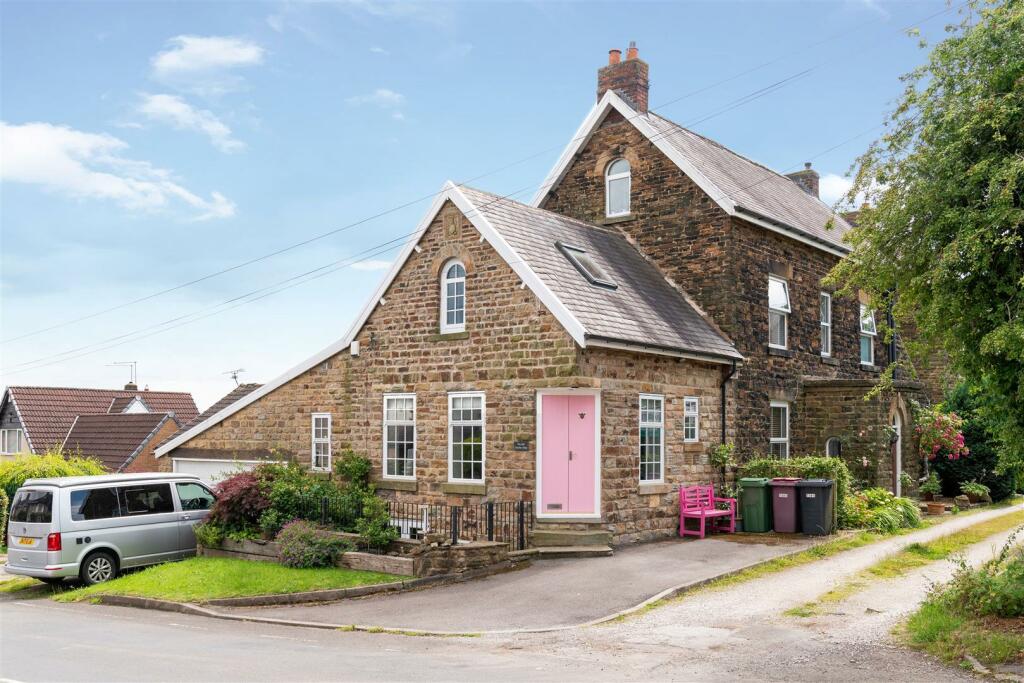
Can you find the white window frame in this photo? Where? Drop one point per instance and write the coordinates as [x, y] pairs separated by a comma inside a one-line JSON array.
[[608, 178], [5, 439], [778, 440], [320, 440], [784, 312], [641, 426], [826, 324], [870, 334], [398, 423], [446, 327], [691, 419], [463, 423]]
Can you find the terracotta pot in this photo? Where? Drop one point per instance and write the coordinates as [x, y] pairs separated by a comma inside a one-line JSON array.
[[935, 508], [973, 498]]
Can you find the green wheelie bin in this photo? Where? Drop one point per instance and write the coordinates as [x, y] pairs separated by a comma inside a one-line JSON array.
[[756, 504]]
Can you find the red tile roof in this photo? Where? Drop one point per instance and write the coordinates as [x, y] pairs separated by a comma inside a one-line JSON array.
[[113, 439], [47, 413]]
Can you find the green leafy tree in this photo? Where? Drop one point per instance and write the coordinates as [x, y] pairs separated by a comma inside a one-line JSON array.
[[940, 236]]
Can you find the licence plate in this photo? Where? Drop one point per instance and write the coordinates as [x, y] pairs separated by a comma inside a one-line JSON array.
[[26, 541]]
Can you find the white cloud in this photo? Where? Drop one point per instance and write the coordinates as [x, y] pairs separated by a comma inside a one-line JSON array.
[[372, 264], [203, 63], [832, 188], [381, 97], [174, 111], [90, 166], [379, 51]]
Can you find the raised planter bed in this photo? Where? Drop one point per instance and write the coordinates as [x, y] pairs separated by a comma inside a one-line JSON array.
[[270, 551]]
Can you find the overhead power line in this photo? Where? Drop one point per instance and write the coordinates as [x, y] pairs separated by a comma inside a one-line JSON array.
[[736, 103]]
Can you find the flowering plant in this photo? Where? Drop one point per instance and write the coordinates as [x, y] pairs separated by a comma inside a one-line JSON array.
[[940, 433]]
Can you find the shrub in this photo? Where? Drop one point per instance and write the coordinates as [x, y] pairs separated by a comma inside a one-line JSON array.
[[241, 500], [208, 534], [374, 524], [5, 507], [973, 488], [304, 545], [932, 486], [980, 466], [994, 589], [54, 463], [809, 467], [354, 469], [879, 510]]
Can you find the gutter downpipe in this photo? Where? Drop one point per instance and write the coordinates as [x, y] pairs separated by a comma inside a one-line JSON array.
[[725, 381]]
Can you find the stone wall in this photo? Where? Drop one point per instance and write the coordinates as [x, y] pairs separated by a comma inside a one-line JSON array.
[[838, 408]]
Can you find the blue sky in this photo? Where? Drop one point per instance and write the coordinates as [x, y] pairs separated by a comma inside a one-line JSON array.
[[149, 144]]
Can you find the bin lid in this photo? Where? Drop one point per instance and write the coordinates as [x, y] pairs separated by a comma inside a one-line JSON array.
[[753, 482], [785, 481], [815, 483]]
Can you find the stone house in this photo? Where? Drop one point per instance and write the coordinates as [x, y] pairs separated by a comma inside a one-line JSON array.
[[661, 295]]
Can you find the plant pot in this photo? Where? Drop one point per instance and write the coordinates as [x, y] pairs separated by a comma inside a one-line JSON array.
[[974, 498], [936, 508], [927, 496]]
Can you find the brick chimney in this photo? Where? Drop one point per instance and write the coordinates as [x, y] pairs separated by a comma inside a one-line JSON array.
[[131, 386], [627, 78], [807, 179]]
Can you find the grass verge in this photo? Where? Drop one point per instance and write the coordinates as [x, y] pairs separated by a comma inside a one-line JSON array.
[[205, 578], [913, 556], [15, 585], [952, 638]]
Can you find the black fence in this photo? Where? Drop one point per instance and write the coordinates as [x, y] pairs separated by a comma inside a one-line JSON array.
[[506, 522]]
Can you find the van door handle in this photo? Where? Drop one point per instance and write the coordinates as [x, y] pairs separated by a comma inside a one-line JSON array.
[[186, 517]]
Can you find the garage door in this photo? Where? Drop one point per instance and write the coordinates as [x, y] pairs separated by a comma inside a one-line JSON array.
[[211, 471]]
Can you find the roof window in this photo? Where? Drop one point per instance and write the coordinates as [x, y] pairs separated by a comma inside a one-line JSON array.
[[584, 263]]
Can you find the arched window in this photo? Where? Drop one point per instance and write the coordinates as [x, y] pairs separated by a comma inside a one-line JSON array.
[[834, 447], [617, 188], [453, 297]]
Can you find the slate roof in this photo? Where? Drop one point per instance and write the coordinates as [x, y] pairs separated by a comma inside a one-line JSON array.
[[113, 439], [644, 309], [47, 413], [753, 187]]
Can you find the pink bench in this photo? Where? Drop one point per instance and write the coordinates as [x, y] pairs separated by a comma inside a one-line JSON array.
[[699, 502]]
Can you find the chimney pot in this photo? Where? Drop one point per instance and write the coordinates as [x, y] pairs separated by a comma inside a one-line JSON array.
[[632, 52], [614, 57], [131, 386], [627, 78], [807, 165]]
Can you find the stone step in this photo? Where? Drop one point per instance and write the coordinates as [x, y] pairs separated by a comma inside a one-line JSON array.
[[556, 552], [546, 538]]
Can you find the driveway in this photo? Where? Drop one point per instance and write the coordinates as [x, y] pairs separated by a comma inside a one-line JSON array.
[[550, 593]]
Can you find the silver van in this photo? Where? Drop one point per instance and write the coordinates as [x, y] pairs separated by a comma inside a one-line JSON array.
[[93, 527]]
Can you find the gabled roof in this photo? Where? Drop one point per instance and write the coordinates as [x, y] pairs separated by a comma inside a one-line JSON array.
[[645, 313], [47, 413], [114, 439], [121, 403], [644, 309], [741, 187]]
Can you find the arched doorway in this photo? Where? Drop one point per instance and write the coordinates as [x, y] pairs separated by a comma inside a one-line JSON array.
[[897, 453]]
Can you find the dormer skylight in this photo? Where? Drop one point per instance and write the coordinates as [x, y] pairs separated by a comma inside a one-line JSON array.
[[587, 266]]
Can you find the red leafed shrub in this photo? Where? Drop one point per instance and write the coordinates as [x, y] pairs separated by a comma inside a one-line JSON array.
[[241, 499]]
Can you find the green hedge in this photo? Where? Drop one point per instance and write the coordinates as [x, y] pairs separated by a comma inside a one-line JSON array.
[[14, 472], [810, 467]]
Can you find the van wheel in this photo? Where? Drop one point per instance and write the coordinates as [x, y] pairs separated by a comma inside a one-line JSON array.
[[99, 567]]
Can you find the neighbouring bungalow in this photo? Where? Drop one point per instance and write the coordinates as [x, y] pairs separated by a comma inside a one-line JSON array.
[[660, 295]]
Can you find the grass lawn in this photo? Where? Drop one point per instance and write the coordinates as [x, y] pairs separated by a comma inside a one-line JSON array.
[[951, 637], [205, 578], [15, 585], [913, 556]]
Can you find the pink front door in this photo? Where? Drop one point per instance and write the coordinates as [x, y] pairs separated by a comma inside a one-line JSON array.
[[568, 474]]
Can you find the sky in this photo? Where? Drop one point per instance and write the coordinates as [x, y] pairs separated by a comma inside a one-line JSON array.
[[147, 146]]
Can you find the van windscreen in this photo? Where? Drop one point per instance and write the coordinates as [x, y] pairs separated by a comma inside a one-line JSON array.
[[32, 507]]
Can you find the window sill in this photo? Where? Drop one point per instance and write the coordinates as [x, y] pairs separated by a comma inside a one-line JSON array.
[[654, 489], [464, 489], [448, 336], [612, 220], [396, 485], [781, 353], [870, 368], [829, 360]]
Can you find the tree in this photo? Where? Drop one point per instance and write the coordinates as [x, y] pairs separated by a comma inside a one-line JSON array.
[[940, 237]]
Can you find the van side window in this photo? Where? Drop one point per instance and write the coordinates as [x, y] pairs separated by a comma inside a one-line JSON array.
[[147, 499], [94, 504], [194, 496], [32, 507]]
